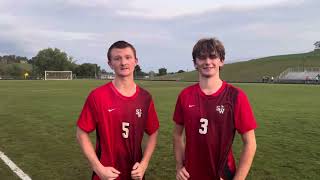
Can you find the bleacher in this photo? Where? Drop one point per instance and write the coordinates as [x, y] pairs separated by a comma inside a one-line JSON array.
[[300, 75]]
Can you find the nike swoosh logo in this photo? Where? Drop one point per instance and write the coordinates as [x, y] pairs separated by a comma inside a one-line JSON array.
[[111, 109], [191, 105]]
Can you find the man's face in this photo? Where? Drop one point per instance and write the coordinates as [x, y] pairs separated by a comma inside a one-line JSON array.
[[208, 65], [123, 61]]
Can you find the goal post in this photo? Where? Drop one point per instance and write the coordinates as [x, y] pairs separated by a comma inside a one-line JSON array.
[[58, 75]]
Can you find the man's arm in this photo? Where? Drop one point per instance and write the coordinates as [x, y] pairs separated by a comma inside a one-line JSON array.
[[87, 149], [179, 150], [139, 169], [247, 154]]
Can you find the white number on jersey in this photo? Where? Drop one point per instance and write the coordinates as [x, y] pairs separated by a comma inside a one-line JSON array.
[[125, 129], [204, 126]]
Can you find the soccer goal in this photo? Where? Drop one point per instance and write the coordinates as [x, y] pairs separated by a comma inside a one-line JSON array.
[[58, 75]]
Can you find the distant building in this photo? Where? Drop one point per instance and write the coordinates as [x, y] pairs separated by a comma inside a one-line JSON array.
[[23, 62], [103, 76], [317, 45], [110, 77], [107, 76]]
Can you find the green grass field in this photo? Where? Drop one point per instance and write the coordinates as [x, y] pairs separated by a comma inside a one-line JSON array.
[[37, 129]]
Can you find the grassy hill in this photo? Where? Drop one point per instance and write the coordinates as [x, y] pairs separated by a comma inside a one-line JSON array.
[[27, 67], [253, 70], [14, 70]]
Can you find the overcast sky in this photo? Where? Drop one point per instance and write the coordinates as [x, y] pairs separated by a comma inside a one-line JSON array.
[[163, 32]]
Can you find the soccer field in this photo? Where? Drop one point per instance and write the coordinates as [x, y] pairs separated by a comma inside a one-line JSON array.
[[37, 129]]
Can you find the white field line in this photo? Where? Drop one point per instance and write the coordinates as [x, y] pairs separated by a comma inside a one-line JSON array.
[[14, 167]]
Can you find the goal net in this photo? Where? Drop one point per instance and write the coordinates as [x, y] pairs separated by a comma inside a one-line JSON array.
[[58, 75]]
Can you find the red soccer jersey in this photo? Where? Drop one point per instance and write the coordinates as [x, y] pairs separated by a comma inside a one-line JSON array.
[[210, 123], [120, 123]]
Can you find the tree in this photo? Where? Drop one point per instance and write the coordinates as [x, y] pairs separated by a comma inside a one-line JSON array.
[[15, 70], [103, 71], [21, 59], [162, 71], [52, 60], [88, 70], [181, 71], [10, 59], [138, 72], [2, 70]]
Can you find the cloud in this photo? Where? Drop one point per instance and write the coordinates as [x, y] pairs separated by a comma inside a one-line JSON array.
[[167, 9], [163, 35]]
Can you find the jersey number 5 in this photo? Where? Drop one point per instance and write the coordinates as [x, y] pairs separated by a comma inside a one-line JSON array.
[[204, 126], [125, 129]]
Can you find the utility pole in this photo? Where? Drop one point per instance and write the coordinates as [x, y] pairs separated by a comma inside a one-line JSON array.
[[95, 71]]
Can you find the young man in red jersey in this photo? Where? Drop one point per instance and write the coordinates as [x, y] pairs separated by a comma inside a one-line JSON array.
[[210, 112], [120, 112]]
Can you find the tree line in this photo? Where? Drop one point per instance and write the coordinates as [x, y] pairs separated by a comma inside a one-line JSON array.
[[53, 59], [50, 59]]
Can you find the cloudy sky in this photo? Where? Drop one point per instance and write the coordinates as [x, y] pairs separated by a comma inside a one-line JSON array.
[[163, 32]]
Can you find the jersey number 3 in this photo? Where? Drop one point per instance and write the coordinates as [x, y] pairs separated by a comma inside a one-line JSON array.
[[204, 126], [125, 129]]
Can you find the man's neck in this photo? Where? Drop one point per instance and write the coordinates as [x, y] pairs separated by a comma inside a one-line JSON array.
[[125, 85], [210, 85]]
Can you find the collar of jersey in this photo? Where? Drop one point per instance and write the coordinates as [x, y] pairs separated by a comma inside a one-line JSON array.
[[215, 94], [121, 95]]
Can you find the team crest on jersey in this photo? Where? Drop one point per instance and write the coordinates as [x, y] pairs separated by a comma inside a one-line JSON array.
[[220, 109], [139, 113]]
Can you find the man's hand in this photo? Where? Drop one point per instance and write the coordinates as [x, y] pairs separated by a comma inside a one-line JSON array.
[[138, 170], [182, 174], [107, 173]]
